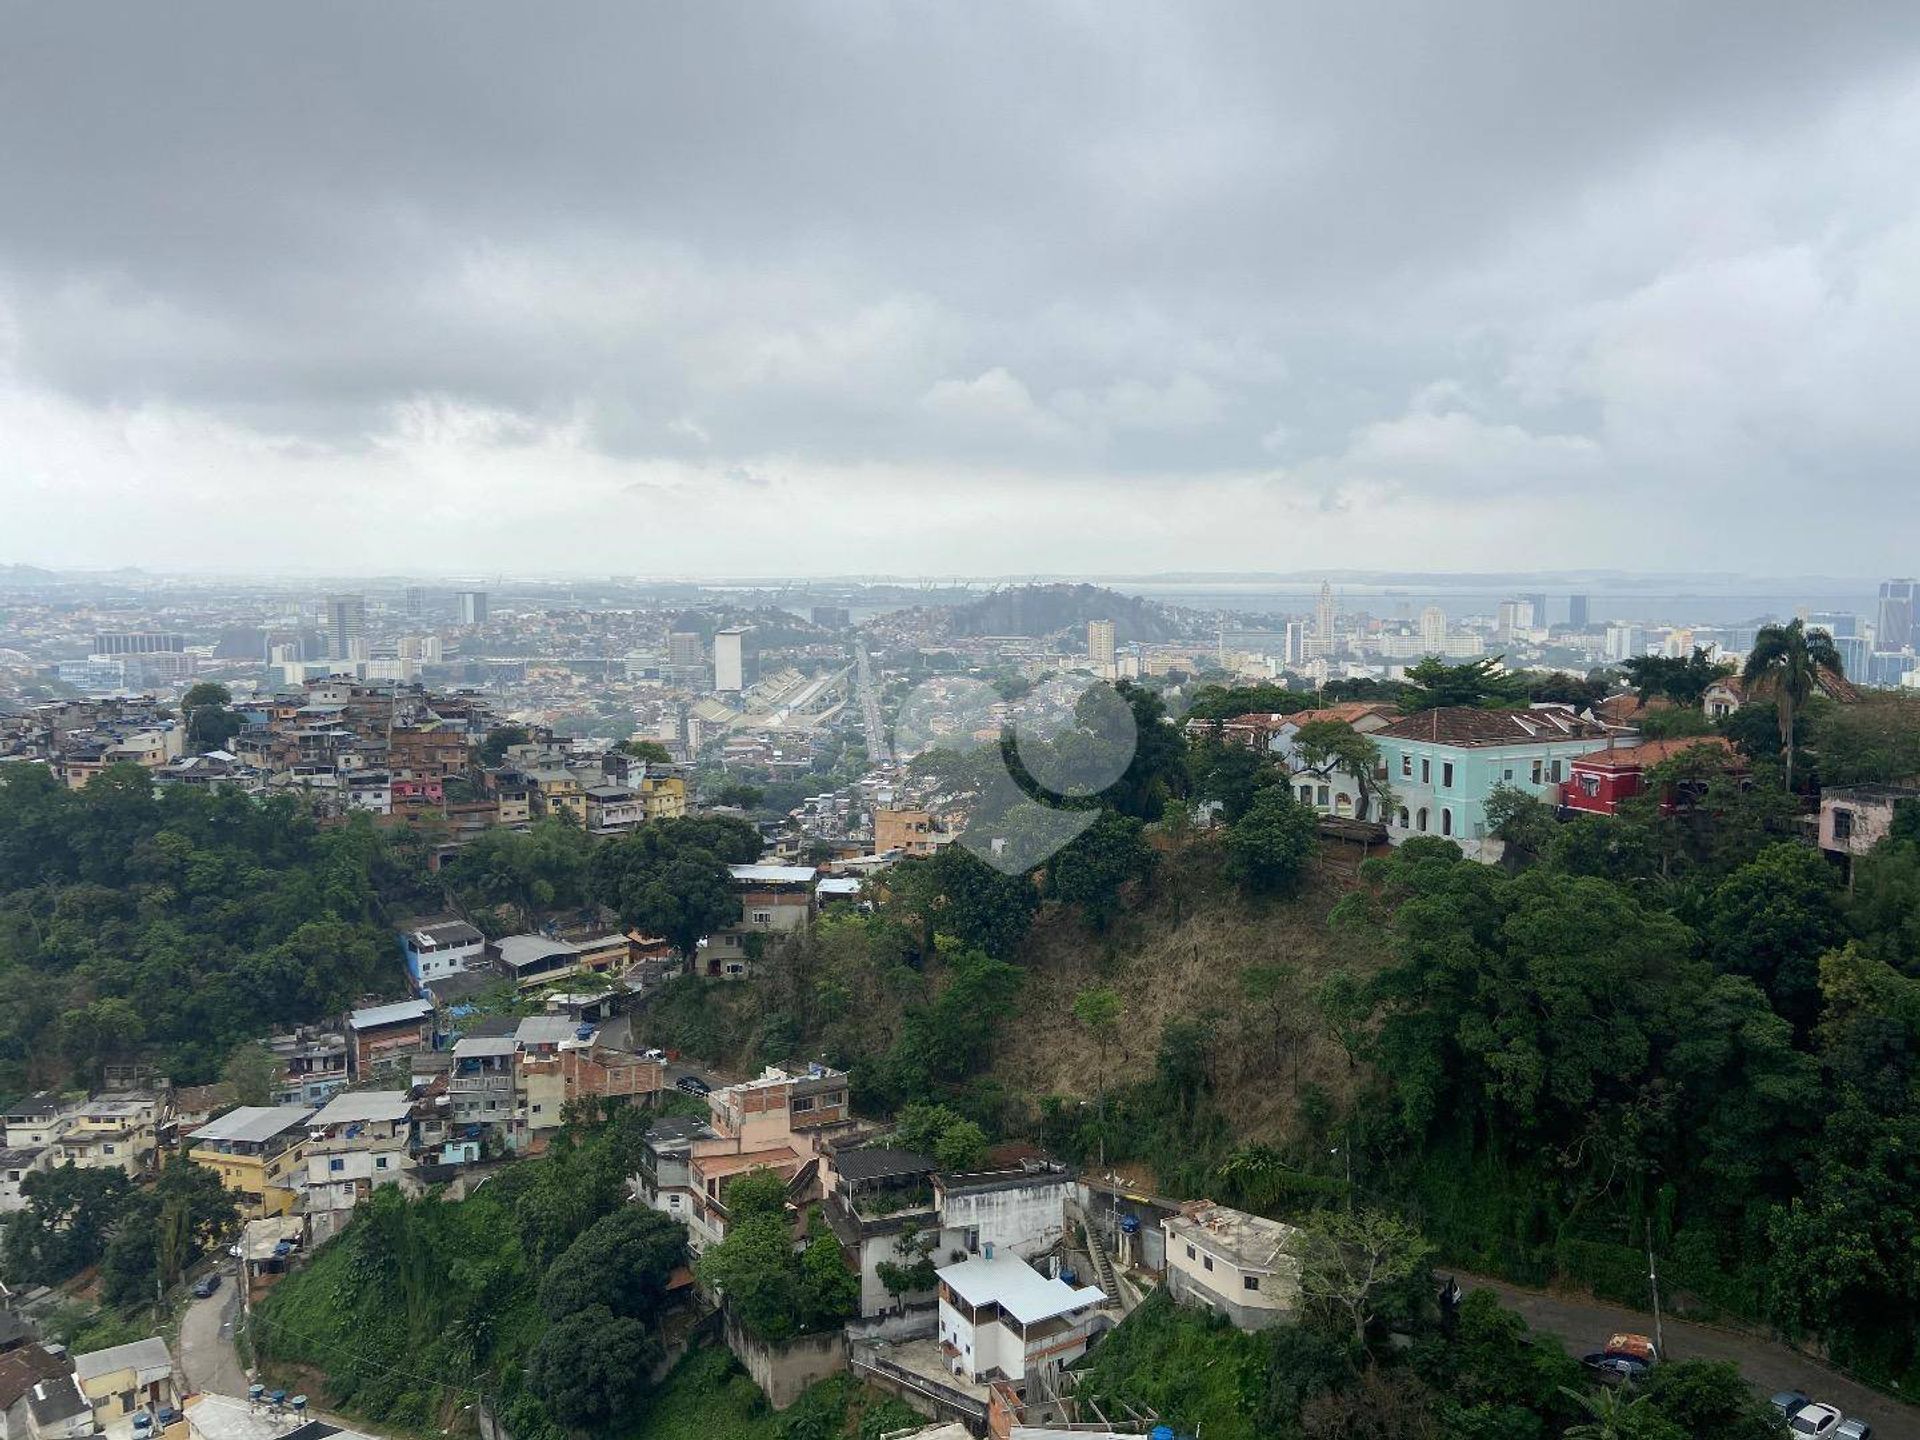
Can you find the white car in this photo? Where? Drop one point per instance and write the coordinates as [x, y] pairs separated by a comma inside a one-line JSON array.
[[1816, 1420], [1854, 1429]]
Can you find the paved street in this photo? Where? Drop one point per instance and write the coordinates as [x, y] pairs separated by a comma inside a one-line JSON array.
[[1583, 1325], [207, 1355]]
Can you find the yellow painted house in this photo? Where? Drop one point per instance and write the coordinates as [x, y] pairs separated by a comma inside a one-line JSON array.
[[258, 1151]]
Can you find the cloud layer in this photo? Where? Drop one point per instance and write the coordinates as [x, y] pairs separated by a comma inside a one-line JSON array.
[[960, 288]]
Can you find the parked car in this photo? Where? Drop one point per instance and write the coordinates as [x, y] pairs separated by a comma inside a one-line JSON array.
[[654, 1054], [1816, 1420], [1853, 1428], [1615, 1369], [692, 1084], [206, 1285], [1790, 1403]]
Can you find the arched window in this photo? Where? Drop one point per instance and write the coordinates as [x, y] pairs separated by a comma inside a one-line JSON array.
[[1360, 808], [1343, 804], [1403, 817], [1446, 822], [1420, 820]]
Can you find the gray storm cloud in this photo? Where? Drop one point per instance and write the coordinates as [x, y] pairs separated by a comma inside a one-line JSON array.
[[988, 287]]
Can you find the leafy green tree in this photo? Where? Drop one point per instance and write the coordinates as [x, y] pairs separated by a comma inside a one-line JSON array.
[[210, 724], [590, 1369], [666, 880], [251, 1070], [953, 893], [651, 751], [1270, 847], [621, 1262], [1773, 919], [829, 1292], [1480, 683], [1362, 1265], [500, 739], [1229, 774], [1325, 747], [1683, 680], [1785, 663], [1228, 702], [1873, 742], [1094, 868], [1157, 772], [1711, 1400], [1520, 819], [1619, 1414], [65, 1223]]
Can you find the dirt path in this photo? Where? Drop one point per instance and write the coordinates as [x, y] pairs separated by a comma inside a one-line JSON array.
[[1583, 1325]]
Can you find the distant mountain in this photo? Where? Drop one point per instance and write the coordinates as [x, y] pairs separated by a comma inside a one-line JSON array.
[[1046, 609]]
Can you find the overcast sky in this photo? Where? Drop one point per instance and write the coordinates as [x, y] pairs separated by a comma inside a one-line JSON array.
[[911, 287]]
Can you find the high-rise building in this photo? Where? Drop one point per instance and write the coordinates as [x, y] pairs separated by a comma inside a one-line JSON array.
[[1625, 641], [1895, 630], [137, 642], [1578, 615], [684, 651], [416, 601], [1515, 616], [1538, 610], [730, 660], [1296, 643], [473, 607], [1324, 619], [346, 622], [1840, 624], [1100, 642], [1433, 630]]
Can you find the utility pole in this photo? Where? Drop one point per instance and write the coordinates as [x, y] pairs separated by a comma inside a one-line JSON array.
[[1653, 1279]]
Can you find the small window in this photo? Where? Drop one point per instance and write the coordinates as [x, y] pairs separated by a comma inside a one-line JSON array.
[[380, 1162], [1207, 1261], [1446, 775], [1250, 1282], [336, 1164], [1426, 771], [1420, 820], [1536, 772], [1555, 772], [1192, 1254], [1406, 766], [1306, 794], [1326, 796], [1842, 824], [1403, 817], [1508, 774], [1590, 786], [1446, 822]]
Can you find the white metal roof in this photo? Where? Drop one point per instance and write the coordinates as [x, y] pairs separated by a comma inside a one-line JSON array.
[[545, 1030], [253, 1123], [1017, 1288], [518, 950], [774, 874], [483, 1045], [400, 1010], [350, 1106]]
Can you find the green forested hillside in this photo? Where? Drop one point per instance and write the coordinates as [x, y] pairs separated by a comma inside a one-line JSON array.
[[176, 925]]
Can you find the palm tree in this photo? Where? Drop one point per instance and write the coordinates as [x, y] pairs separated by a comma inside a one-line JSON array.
[[1606, 1412], [1785, 662]]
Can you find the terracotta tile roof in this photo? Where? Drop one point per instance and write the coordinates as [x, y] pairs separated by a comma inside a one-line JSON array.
[[1463, 725], [1652, 752]]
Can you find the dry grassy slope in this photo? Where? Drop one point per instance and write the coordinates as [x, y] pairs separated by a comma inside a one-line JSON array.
[[1182, 955]]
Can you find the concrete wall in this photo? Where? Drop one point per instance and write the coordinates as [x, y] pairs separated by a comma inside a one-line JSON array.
[[1022, 1220], [1189, 1291], [913, 1323], [783, 1371]]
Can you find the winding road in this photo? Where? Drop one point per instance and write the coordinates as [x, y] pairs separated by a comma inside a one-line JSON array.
[[1583, 1325]]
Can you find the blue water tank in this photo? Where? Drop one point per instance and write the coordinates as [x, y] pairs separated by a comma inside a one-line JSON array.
[[1130, 1225], [1161, 1432]]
